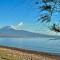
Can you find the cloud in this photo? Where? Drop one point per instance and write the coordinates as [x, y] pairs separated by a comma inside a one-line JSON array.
[[21, 23]]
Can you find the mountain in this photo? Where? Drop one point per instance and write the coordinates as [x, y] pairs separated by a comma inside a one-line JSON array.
[[8, 31]]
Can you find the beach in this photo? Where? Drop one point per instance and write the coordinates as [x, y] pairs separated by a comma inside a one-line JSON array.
[[10, 53]]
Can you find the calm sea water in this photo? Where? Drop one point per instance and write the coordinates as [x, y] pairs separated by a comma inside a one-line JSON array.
[[37, 44]]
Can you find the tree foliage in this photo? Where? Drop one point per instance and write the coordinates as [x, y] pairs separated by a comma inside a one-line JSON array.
[[48, 8]]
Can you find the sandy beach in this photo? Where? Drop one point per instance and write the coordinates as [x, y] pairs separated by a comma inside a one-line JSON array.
[[10, 53]]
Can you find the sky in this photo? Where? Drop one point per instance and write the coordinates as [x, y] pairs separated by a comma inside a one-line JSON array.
[[21, 14], [14, 11]]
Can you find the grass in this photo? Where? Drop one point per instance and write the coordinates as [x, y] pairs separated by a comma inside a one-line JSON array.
[[13, 54]]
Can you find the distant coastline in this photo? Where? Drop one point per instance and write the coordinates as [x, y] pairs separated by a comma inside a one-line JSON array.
[[8, 31]]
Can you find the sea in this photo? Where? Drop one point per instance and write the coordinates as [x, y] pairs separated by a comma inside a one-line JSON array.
[[49, 45]]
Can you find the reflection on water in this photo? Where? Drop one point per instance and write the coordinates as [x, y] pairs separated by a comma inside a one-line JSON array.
[[38, 44]]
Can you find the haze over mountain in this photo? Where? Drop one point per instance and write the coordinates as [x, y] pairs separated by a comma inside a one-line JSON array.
[[9, 31]]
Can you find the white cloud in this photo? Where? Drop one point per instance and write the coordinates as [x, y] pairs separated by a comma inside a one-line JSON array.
[[21, 23]]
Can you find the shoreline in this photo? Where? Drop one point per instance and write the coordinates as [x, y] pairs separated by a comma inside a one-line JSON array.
[[12, 53], [30, 51]]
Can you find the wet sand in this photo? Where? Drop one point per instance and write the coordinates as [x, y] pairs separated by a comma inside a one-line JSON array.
[[10, 53]]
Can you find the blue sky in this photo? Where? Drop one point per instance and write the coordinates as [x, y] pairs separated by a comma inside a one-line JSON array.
[[21, 14], [14, 11]]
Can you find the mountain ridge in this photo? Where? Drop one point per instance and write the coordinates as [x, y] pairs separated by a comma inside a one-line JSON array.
[[8, 31]]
